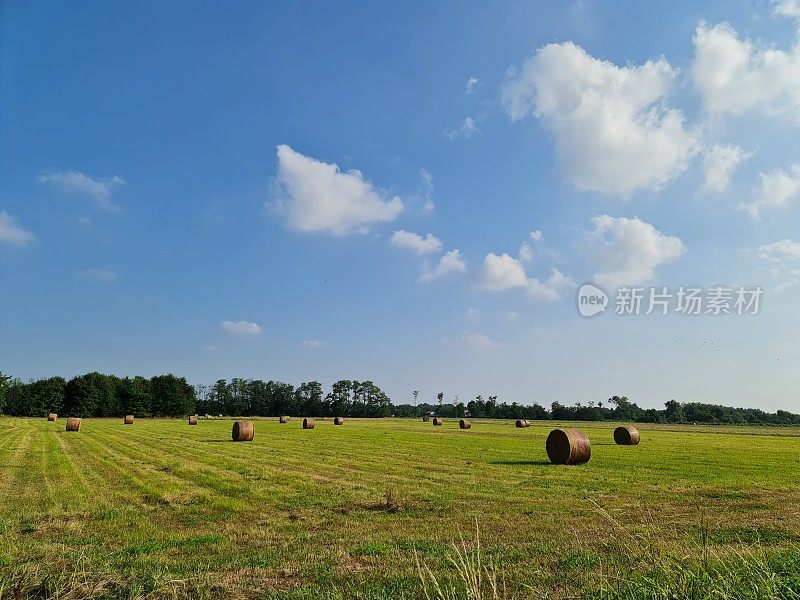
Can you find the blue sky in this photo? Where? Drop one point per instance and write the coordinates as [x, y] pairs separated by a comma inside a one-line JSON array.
[[406, 193]]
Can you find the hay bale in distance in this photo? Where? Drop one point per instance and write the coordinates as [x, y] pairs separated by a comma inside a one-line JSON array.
[[308, 423], [128, 420], [283, 419], [338, 421], [426, 418], [437, 421], [193, 420], [52, 417], [521, 423], [464, 424], [568, 447], [626, 435], [243, 431], [73, 424]]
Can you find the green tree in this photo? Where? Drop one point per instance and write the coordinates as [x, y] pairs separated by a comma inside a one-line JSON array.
[[172, 396], [674, 412], [4, 384], [308, 399], [91, 395]]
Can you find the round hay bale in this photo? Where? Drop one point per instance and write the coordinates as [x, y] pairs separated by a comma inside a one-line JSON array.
[[626, 435], [521, 423], [338, 421], [73, 424], [128, 420], [464, 424], [283, 419], [193, 420], [308, 423], [52, 417], [243, 431], [437, 421], [426, 418], [568, 447]]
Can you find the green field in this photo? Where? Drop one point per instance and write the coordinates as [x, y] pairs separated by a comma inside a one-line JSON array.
[[372, 509]]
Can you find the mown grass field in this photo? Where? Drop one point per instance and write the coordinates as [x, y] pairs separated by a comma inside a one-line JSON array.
[[371, 509]]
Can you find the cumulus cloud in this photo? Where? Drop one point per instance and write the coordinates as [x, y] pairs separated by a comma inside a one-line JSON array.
[[526, 250], [719, 163], [628, 251], [504, 272], [12, 233], [468, 128], [427, 189], [612, 130], [783, 261], [415, 242], [777, 251], [475, 341], [313, 344], [551, 288], [734, 75], [240, 327], [450, 262], [101, 275], [472, 83], [787, 8], [501, 272], [75, 182], [777, 190], [317, 196]]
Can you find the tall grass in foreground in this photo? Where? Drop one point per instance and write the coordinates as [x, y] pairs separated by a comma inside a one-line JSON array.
[[478, 581], [702, 573]]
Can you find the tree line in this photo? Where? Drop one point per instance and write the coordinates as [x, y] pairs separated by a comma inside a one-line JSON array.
[[619, 408], [99, 395]]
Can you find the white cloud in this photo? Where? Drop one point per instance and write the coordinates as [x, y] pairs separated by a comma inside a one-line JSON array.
[[613, 132], [12, 233], [735, 76], [468, 128], [427, 189], [526, 252], [777, 251], [208, 348], [475, 341], [313, 344], [787, 8], [783, 260], [551, 288], [501, 272], [451, 262], [474, 315], [719, 163], [627, 251], [242, 327], [512, 315], [472, 83], [415, 242], [102, 275], [778, 188], [504, 272], [317, 196], [75, 182]]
